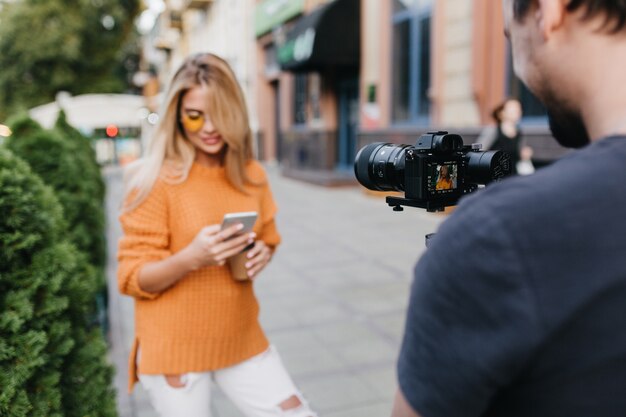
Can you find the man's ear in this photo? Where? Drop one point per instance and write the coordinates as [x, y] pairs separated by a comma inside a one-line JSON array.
[[550, 15]]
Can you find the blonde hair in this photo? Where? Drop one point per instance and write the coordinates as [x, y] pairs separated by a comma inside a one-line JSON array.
[[170, 154]]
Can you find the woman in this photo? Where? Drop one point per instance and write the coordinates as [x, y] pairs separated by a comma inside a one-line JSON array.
[[508, 136], [445, 181], [194, 322]]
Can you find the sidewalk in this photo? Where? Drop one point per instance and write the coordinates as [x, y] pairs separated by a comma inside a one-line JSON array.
[[332, 300]]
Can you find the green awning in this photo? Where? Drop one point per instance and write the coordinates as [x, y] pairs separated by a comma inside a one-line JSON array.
[[271, 13], [328, 37]]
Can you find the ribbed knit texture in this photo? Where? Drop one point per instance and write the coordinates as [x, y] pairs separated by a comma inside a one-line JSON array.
[[207, 320]]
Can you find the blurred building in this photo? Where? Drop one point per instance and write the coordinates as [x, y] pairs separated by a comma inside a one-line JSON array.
[[309, 55], [442, 64], [336, 75], [326, 77]]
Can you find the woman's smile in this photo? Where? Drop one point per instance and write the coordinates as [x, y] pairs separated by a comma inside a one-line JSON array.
[[211, 140]]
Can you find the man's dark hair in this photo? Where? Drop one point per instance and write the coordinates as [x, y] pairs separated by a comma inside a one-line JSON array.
[[614, 10]]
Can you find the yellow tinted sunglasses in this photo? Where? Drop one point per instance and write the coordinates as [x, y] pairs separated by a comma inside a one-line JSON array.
[[193, 122]]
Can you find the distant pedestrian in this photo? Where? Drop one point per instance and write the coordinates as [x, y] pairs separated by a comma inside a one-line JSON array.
[[508, 136], [195, 323]]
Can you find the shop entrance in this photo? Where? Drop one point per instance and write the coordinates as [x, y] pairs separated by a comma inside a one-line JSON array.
[[278, 142], [348, 90]]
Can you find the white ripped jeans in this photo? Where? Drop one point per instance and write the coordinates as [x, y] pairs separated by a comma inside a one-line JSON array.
[[256, 386]]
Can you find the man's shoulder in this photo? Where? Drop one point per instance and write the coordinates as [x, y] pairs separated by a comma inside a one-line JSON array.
[[555, 185], [498, 210], [518, 191], [578, 185], [513, 197]]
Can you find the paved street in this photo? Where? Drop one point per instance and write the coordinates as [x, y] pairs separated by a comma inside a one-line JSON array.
[[333, 299]]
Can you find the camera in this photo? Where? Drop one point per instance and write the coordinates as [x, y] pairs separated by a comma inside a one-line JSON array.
[[433, 174]]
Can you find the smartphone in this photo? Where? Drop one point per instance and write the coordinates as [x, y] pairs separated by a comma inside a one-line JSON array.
[[247, 218]]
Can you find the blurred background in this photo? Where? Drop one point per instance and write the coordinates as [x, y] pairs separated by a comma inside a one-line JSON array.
[[322, 78], [81, 83]]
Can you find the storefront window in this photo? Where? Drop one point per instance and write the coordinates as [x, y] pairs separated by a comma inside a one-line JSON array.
[[401, 70], [272, 68], [300, 99], [315, 91], [411, 61], [423, 108], [401, 5]]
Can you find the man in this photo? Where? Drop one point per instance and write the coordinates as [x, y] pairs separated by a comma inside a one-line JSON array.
[[528, 318]]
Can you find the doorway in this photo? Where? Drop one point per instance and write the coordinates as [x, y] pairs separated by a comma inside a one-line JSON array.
[[348, 90], [277, 136]]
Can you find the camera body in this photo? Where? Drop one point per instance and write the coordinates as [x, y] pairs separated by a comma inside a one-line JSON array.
[[434, 173]]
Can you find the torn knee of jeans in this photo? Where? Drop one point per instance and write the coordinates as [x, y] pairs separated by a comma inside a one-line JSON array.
[[290, 403], [176, 381], [295, 406]]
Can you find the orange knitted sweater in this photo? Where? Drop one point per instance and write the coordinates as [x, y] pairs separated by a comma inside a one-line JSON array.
[[207, 320]]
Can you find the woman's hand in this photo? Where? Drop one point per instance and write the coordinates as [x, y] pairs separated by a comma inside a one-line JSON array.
[[258, 258], [212, 246]]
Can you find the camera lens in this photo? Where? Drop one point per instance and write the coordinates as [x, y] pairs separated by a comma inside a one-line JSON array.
[[380, 166], [485, 167]]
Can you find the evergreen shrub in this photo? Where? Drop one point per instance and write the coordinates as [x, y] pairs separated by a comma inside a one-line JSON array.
[[59, 165], [34, 327], [52, 358]]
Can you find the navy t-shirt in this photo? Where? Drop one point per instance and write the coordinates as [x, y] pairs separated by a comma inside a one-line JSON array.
[[518, 306]]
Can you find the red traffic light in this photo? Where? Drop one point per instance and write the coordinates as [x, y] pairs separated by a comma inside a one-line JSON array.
[[112, 131]]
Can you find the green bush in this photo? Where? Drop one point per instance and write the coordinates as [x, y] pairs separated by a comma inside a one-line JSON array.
[[86, 381], [33, 331], [52, 359], [86, 378], [85, 154], [89, 230], [59, 164], [22, 125]]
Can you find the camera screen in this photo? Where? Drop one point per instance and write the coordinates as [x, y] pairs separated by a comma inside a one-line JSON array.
[[442, 177]]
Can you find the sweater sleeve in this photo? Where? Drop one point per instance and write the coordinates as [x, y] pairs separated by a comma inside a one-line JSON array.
[[146, 239], [269, 232]]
